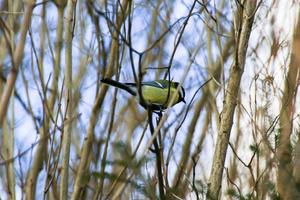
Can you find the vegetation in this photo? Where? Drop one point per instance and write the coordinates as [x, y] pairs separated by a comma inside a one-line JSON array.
[[65, 135]]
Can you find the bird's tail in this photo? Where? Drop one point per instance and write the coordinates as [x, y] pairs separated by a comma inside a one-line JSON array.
[[118, 85]]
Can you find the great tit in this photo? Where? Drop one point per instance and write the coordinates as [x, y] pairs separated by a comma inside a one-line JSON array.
[[156, 94]]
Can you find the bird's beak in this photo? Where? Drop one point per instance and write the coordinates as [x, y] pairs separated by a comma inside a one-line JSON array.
[[183, 101]]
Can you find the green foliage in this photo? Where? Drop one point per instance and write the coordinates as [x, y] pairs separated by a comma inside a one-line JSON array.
[[277, 136], [272, 192], [254, 148], [86, 178], [142, 185], [233, 193]]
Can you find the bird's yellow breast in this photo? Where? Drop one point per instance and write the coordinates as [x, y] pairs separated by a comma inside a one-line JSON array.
[[154, 95]]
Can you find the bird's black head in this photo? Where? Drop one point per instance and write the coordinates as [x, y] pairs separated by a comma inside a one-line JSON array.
[[181, 93]]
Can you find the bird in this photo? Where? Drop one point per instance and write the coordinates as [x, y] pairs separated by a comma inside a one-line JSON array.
[[156, 94]]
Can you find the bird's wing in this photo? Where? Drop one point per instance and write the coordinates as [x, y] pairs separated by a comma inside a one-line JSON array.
[[154, 84]]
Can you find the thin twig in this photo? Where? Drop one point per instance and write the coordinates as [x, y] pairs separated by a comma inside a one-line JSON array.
[[157, 152]]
